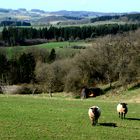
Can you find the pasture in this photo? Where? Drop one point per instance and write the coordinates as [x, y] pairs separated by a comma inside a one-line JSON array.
[[62, 48], [40, 117]]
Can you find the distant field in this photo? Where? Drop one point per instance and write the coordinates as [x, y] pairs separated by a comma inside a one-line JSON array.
[[60, 47], [64, 118], [61, 44], [86, 24], [94, 24], [52, 45]]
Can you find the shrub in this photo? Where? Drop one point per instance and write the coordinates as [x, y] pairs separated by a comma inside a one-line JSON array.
[[29, 89], [73, 81]]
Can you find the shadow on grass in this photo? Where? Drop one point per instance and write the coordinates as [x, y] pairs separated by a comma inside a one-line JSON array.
[[108, 124], [133, 119]]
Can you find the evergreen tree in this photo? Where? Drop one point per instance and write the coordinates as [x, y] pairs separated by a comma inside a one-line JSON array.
[[5, 35], [52, 56], [3, 68], [26, 68]]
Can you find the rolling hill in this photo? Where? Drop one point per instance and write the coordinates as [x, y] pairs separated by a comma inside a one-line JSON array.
[[40, 17]]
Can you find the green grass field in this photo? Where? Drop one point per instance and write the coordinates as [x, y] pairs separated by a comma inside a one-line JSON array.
[[40, 117], [61, 44], [63, 48]]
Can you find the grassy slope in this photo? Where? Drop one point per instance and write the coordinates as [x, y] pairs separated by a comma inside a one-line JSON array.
[[63, 118], [123, 96], [59, 46]]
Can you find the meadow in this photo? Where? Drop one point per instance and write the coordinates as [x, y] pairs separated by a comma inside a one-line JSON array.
[[39, 117], [62, 48]]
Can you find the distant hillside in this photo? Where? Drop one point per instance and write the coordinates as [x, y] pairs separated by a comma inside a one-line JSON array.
[[37, 16], [130, 17], [51, 19], [14, 23], [37, 10], [58, 19], [104, 18], [4, 10], [133, 17], [81, 13]]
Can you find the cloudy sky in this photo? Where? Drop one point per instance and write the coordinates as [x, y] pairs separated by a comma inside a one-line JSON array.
[[74, 5]]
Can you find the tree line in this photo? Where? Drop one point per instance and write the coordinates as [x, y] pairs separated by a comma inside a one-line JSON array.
[[21, 67], [104, 18], [14, 23], [130, 17], [18, 36], [17, 70]]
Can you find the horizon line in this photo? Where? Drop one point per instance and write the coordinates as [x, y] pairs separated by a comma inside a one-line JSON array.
[[67, 10]]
